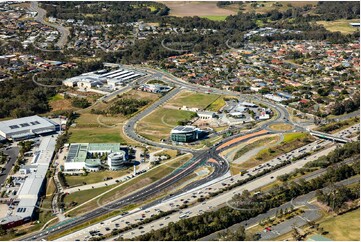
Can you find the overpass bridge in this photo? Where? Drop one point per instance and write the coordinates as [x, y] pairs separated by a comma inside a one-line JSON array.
[[329, 137]]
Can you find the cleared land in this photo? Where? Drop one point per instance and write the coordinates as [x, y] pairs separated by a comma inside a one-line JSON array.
[[158, 124], [342, 25], [94, 177], [343, 227], [197, 8], [193, 100], [96, 128]]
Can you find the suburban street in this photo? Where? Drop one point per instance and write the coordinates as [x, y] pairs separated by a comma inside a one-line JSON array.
[[40, 17]]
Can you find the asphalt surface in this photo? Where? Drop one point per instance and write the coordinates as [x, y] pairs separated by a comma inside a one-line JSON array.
[[13, 154]]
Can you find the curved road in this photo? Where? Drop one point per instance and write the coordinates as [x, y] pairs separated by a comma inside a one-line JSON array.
[[40, 17]]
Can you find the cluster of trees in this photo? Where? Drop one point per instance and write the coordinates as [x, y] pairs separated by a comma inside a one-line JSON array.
[[347, 106], [334, 126], [336, 10], [346, 151], [21, 97], [209, 222], [80, 102], [107, 12], [337, 198], [126, 106]]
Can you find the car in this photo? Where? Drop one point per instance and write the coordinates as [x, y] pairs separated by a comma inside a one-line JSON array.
[[140, 227], [272, 177], [161, 224], [107, 229]]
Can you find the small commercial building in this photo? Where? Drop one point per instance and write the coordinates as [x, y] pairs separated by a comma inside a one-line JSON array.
[[88, 156], [184, 134], [206, 115], [117, 160]]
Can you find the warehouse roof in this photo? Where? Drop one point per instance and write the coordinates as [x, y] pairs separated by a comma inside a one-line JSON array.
[[24, 124], [26, 207], [31, 186]]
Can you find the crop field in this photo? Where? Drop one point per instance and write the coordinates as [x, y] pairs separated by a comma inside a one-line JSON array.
[[342, 25], [197, 8], [158, 124], [193, 99]]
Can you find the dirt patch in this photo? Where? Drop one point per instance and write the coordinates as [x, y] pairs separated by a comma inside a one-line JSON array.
[[58, 105], [185, 8], [281, 127]]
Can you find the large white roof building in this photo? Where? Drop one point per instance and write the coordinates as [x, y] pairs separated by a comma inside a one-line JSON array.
[[26, 127]]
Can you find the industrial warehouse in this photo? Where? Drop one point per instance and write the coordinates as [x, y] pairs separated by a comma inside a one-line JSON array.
[[23, 208], [27, 127], [99, 78], [89, 156]]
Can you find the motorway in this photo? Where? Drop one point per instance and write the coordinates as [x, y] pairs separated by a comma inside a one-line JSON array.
[[41, 13]]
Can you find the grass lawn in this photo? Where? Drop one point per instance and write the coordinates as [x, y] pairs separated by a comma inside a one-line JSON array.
[[83, 196], [343, 227], [57, 97], [94, 177], [215, 18], [281, 127], [290, 142], [342, 25], [95, 135], [193, 99], [158, 124]]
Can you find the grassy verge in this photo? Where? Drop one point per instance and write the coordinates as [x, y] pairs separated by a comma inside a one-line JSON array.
[[291, 141], [253, 145], [94, 177]]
